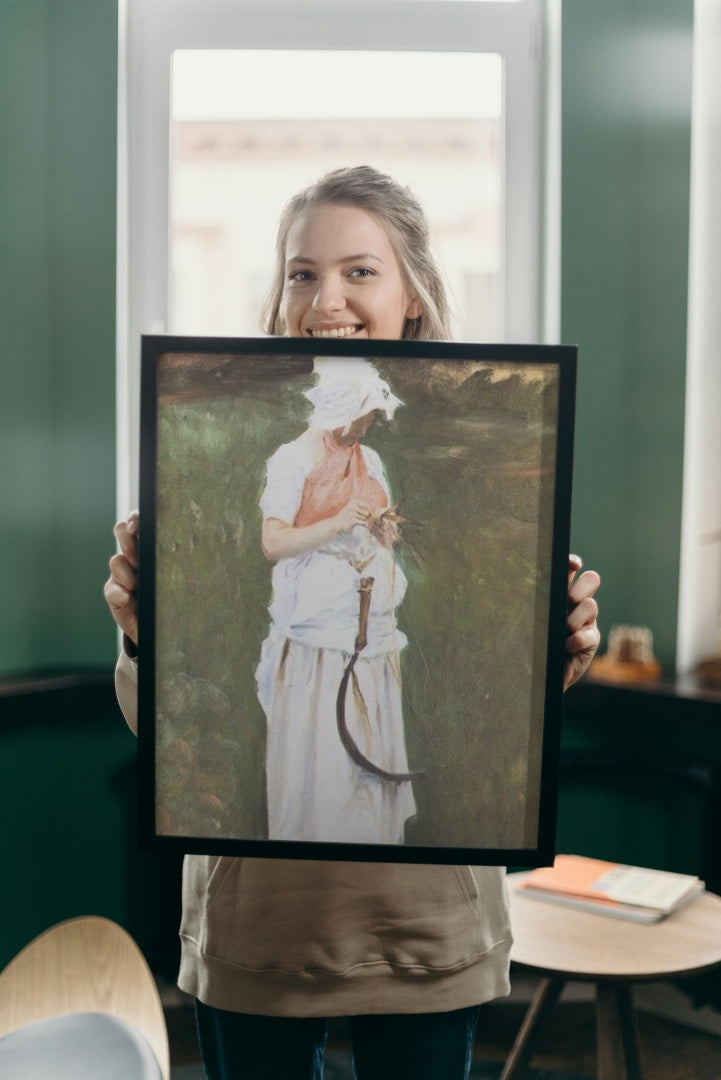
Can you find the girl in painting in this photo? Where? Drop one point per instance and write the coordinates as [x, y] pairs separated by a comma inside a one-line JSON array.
[[328, 527]]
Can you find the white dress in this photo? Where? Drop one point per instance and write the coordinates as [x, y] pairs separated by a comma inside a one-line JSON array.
[[315, 792]]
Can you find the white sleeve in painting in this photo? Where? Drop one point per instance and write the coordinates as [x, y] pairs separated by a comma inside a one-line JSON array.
[[286, 473]]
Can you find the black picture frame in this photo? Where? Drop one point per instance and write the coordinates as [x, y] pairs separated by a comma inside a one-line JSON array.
[[479, 460]]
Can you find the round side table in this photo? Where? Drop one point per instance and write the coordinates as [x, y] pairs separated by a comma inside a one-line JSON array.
[[563, 944]]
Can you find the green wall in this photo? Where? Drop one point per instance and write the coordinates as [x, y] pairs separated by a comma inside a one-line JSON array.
[[58, 73], [626, 145], [626, 137], [67, 768]]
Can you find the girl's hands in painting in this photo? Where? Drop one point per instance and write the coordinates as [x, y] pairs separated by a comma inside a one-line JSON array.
[[384, 526], [281, 540], [355, 512], [121, 587], [583, 636]]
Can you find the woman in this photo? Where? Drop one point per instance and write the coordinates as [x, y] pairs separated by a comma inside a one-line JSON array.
[[329, 530], [272, 948]]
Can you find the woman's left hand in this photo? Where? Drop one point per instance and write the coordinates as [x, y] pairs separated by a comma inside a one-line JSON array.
[[384, 526], [583, 636]]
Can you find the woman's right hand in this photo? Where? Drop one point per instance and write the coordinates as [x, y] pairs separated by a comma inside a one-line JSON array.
[[121, 587], [355, 512], [281, 540]]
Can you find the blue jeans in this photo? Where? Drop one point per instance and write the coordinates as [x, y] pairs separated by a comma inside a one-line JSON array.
[[413, 1046]]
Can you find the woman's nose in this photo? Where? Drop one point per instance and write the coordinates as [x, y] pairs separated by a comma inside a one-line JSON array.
[[329, 296]]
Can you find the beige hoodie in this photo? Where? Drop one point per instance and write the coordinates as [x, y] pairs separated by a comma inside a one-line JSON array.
[[297, 938]]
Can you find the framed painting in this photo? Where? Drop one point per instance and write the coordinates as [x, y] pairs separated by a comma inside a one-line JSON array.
[[352, 597]]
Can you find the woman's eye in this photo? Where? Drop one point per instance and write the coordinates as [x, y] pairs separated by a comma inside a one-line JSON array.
[[300, 276], [362, 272]]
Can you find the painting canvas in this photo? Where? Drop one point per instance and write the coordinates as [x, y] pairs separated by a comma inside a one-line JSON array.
[[353, 568]]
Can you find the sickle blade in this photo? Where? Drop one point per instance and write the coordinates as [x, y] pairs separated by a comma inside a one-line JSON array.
[[348, 741]]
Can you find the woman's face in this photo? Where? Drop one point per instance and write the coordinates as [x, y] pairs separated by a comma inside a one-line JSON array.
[[342, 277], [356, 430]]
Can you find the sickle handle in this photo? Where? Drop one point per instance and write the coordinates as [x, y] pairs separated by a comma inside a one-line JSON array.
[[366, 588]]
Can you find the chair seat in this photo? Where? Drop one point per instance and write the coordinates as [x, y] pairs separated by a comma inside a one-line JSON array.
[[78, 1046]]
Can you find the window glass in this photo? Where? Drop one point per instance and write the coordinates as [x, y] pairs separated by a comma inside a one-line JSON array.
[[251, 127]]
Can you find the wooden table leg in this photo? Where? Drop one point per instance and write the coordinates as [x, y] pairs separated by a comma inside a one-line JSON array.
[[617, 1033], [544, 999]]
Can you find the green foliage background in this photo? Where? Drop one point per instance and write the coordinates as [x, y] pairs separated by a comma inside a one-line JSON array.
[[470, 460]]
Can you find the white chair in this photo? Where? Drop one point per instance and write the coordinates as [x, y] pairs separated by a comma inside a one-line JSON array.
[[80, 1002]]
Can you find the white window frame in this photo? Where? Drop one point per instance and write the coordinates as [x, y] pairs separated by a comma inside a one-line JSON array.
[[526, 34], [699, 597]]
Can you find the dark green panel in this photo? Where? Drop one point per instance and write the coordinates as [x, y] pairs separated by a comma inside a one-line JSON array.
[[640, 820], [26, 398], [64, 787], [82, 302], [626, 144], [68, 799], [642, 777], [58, 75]]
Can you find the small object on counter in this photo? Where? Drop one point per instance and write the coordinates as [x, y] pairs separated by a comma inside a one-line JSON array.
[[629, 657], [709, 670]]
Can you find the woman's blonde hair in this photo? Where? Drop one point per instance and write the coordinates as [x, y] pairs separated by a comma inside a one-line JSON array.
[[403, 217]]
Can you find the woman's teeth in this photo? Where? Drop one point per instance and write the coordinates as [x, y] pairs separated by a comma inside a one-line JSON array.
[[336, 332]]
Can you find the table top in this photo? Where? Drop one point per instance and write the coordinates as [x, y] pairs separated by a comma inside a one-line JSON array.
[[560, 940]]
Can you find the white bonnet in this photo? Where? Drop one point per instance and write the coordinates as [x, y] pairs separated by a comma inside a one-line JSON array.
[[347, 389]]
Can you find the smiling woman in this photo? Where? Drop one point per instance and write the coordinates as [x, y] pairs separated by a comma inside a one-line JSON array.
[[331, 292], [353, 259]]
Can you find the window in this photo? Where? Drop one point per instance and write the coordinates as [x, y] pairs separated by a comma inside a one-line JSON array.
[[236, 160], [228, 105]]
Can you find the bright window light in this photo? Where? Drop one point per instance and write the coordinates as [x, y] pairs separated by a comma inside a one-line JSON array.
[[238, 156]]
